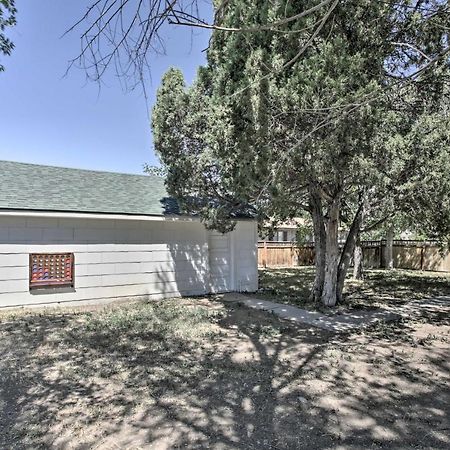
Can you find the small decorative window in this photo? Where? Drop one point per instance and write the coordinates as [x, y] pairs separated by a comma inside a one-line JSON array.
[[51, 269]]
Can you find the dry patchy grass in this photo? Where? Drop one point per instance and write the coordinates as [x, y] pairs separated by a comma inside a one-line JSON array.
[[196, 373], [379, 288]]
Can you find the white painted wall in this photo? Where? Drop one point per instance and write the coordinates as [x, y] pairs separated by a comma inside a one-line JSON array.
[[245, 256], [126, 258]]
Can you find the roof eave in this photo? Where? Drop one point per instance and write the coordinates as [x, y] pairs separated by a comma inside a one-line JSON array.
[[12, 212]]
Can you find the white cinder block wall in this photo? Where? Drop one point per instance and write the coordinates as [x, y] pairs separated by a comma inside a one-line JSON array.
[[245, 256], [126, 258]]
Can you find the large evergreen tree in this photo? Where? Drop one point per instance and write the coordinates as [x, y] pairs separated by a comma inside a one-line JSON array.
[[324, 114], [7, 19]]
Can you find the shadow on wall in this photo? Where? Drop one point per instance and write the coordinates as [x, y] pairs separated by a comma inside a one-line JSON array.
[[407, 258], [186, 272], [213, 262], [161, 257], [197, 266], [252, 385], [120, 258]]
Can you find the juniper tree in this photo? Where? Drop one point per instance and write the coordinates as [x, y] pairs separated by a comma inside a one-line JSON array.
[[7, 19], [317, 117]]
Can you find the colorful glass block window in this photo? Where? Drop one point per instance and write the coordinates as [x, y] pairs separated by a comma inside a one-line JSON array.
[[51, 269]]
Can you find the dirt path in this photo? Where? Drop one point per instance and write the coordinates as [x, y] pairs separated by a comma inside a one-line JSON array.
[[245, 381]]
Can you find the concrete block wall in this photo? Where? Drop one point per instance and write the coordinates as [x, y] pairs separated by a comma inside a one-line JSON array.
[[245, 243], [123, 258]]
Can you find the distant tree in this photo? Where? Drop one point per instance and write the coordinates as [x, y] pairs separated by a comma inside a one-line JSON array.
[[7, 19], [159, 171], [303, 233], [320, 117], [428, 206]]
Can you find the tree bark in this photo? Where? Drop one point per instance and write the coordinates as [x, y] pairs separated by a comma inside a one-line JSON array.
[[348, 250], [388, 256], [358, 264], [315, 202], [329, 292]]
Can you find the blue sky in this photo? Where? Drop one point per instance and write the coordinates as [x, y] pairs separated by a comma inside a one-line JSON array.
[[46, 118]]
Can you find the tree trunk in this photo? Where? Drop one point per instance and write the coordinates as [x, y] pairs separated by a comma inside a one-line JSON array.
[[348, 250], [329, 293], [315, 202], [358, 266], [388, 256]]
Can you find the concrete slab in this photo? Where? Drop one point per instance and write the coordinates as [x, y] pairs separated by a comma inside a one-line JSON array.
[[263, 305], [230, 297], [333, 322]]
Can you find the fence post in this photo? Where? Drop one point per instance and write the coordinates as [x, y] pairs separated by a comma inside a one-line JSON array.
[[381, 254], [272, 256]]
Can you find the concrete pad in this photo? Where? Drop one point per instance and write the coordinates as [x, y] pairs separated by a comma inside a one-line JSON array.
[[263, 305], [337, 322], [333, 322], [231, 297], [297, 314]]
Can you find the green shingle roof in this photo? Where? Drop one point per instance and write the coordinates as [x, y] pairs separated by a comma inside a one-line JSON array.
[[45, 188]]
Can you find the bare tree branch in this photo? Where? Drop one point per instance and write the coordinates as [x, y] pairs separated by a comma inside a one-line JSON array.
[[195, 22], [405, 44], [123, 33]]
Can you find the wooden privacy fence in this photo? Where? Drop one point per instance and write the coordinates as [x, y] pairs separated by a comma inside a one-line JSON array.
[[284, 254], [407, 254]]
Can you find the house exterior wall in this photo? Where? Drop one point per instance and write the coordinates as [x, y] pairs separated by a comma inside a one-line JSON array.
[[220, 264], [245, 256], [280, 235], [124, 258]]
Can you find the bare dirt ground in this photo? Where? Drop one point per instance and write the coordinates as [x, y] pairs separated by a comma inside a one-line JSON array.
[[196, 373]]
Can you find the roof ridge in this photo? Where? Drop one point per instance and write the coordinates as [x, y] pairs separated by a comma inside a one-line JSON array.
[[80, 170], [27, 186]]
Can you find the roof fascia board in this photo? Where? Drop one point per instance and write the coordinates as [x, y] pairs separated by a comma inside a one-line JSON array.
[[103, 216]]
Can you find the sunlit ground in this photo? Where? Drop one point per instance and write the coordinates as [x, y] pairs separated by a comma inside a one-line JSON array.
[[196, 373], [379, 288]]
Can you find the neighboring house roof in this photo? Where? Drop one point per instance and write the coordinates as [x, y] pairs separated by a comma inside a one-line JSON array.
[[44, 188]]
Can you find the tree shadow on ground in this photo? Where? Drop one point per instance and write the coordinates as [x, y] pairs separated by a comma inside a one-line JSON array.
[[379, 288], [292, 286], [398, 286], [207, 375]]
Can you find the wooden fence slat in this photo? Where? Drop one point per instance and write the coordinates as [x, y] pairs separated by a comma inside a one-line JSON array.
[[408, 254]]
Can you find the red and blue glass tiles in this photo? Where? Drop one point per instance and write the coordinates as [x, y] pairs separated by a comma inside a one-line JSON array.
[[51, 269]]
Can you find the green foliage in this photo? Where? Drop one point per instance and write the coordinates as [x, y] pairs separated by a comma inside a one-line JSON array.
[[303, 233], [429, 202], [7, 19], [158, 171], [262, 124]]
